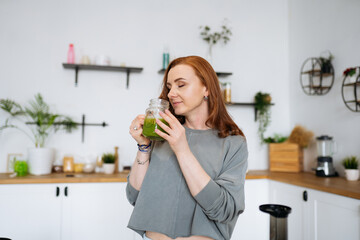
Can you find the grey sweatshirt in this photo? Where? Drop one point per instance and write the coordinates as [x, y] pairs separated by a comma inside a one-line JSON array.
[[165, 205]]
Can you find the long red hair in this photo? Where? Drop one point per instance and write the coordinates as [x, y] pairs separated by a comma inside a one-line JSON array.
[[218, 118]]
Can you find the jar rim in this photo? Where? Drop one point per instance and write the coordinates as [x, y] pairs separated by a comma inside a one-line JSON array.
[[159, 102]]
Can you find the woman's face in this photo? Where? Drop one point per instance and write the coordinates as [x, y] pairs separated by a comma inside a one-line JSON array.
[[186, 91]]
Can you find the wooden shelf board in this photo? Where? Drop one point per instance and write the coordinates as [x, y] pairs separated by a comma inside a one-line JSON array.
[[317, 87], [317, 72], [352, 84]]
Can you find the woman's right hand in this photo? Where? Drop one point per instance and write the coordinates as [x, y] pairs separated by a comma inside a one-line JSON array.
[[136, 128]]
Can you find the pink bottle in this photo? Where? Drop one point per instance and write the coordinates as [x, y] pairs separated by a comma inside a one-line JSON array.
[[71, 54]]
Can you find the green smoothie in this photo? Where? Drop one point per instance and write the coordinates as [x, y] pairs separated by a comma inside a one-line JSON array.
[[149, 129]]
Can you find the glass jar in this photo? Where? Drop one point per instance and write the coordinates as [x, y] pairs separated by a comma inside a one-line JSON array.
[[152, 113], [68, 164], [227, 92]]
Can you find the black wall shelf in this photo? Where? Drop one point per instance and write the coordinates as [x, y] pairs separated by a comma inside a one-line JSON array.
[[313, 78], [219, 74], [350, 91], [246, 104], [78, 67]]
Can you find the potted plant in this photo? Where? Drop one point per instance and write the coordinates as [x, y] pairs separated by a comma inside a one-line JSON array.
[[351, 73], [212, 38], [39, 122], [262, 108], [326, 64], [351, 168], [108, 163]]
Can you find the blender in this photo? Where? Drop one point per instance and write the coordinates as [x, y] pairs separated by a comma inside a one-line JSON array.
[[326, 147]]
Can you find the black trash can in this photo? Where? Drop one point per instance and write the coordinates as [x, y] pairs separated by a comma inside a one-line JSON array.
[[278, 220]]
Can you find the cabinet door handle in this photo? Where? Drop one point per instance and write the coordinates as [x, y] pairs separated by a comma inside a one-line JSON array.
[[305, 196], [66, 191], [57, 191]]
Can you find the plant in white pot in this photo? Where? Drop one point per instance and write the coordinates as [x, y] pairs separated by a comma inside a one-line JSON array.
[[108, 163], [351, 168], [39, 122]]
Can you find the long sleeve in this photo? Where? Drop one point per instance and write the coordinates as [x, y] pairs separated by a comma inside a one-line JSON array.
[[131, 192], [165, 203], [222, 199]]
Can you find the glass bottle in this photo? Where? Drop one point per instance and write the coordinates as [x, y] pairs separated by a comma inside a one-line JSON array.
[[227, 92], [166, 58], [152, 113], [71, 54]]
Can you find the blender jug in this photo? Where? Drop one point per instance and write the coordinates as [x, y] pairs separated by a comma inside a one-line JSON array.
[[326, 146]]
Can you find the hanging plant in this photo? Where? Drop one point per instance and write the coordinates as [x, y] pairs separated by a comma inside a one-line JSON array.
[[262, 106]]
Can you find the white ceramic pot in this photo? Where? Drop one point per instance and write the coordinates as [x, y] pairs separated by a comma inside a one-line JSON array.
[[109, 168], [352, 174], [40, 160]]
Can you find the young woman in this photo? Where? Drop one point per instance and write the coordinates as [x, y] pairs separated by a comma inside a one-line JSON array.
[[190, 186]]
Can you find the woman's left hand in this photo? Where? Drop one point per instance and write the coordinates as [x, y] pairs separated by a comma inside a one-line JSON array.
[[175, 136]]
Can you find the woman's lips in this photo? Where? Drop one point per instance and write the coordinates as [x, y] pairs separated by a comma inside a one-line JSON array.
[[175, 104]]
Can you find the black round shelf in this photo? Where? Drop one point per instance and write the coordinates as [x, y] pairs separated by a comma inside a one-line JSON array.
[[314, 79], [350, 91]]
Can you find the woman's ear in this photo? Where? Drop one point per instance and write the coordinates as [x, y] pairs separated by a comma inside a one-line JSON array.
[[206, 93]]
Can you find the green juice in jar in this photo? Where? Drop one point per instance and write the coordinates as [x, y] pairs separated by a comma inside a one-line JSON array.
[[149, 128]]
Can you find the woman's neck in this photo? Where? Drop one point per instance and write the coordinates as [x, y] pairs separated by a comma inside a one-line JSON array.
[[197, 123]]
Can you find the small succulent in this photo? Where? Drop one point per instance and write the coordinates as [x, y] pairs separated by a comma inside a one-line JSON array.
[[350, 162], [108, 158]]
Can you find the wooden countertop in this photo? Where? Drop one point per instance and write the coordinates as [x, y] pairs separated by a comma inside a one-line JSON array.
[[64, 178], [336, 185]]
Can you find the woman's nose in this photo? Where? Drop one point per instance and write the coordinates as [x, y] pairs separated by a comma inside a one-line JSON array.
[[171, 93]]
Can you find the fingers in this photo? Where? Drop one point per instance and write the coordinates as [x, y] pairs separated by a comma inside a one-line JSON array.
[[165, 127], [170, 119], [137, 123], [162, 134]]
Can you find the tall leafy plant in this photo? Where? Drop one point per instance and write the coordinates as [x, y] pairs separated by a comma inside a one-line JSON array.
[[36, 116]]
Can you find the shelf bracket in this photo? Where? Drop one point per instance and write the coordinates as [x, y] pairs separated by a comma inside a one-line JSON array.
[[78, 67], [127, 78], [76, 75]]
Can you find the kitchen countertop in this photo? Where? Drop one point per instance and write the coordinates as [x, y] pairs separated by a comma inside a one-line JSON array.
[[335, 185]]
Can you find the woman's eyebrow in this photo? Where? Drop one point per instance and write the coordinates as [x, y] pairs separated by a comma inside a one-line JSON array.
[[178, 79]]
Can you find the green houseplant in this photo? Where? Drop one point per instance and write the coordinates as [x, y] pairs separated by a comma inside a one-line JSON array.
[[326, 64], [263, 115], [351, 164], [37, 122], [213, 37], [109, 163]]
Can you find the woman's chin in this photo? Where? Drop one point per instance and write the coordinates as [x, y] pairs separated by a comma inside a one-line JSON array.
[[178, 112]]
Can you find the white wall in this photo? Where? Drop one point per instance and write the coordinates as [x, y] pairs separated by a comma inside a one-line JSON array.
[[34, 38], [316, 26]]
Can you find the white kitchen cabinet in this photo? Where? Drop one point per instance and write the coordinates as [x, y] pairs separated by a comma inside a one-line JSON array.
[[30, 211], [88, 211], [322, 216], [96, 211], [292, 196], [252, 223], [333, 217]]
